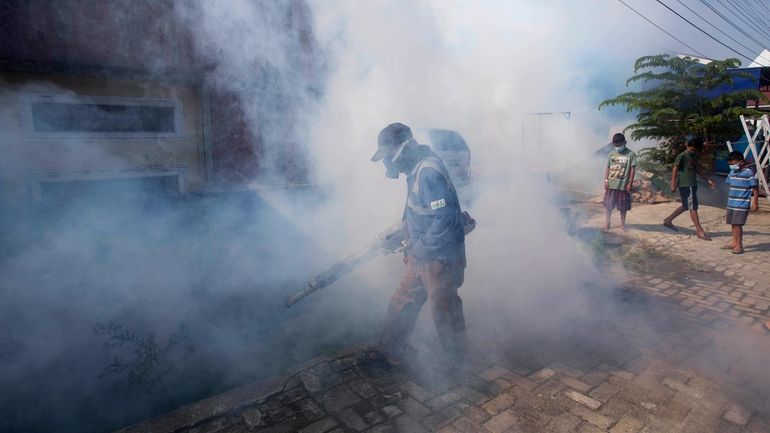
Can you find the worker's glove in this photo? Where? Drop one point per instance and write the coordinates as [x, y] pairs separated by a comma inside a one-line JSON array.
[[405, 245]]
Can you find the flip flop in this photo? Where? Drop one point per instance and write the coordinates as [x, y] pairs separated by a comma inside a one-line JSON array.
[[703, 236], [737, 251], [670, 225]]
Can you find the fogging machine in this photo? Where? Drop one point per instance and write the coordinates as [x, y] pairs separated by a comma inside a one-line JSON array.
[[390, 241]]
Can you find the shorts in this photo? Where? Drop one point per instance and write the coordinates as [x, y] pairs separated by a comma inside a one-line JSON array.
[[617, 199], [736, 217], [689, 196]]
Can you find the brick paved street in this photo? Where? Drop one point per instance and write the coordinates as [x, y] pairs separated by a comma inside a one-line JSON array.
[[681, 349]]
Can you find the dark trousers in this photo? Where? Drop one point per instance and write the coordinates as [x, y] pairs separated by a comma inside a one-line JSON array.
[[438, 281]]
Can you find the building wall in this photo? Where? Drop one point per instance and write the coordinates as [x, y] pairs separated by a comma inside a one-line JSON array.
[[28, 158], [131, 49]]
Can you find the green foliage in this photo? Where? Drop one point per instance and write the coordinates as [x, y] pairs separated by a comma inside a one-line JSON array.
[[674, 105], [144, 360]]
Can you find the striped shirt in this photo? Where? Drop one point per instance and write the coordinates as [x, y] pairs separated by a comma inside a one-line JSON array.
[[742, 183]]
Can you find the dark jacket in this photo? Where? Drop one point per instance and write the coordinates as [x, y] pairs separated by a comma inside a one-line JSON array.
[[433, 216]]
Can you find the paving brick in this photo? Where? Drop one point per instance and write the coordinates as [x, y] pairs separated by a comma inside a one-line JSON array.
[[407, 424], [391, 411], [440, 418], [564, 423], [465, 425], [373, 417], [682, 387], [440, 401], [627, 424], [499, 404], [253, 417], [493, 373], [502, 422], [362, 388], [548, 388], [320, 426], [590, 428], [592, 417], [604, 392], [542, 375], [338, 398], [414, 408], [476, 414], [737, 415], [584, 399], [416, 391], [471, 394], [352, 420], [521, 381], [311, 409], [575, 384], [383, 428]]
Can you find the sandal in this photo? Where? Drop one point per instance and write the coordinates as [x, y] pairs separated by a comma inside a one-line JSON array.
[[703, 235], [737, 251], [670, 225]]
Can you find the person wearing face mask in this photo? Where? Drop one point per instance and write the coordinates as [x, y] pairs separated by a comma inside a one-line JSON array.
[[684, 176], [434, 249], [742, 198], [618, 180]]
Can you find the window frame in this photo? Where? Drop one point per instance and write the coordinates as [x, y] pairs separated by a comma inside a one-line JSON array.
[[28, 118]]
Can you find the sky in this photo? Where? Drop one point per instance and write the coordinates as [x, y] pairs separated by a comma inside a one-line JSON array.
[[745, 14]]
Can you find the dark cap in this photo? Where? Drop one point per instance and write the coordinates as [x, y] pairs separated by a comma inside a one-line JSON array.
[[618, 138], [390, 137]]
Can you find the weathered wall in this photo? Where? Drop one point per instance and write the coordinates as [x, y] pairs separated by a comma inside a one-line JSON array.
[[29, 157]]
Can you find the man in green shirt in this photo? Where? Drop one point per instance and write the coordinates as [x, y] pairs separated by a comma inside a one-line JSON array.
[[618, 179], [683, 176]]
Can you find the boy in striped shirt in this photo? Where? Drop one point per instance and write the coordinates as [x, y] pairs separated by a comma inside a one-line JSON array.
[[743, 196]]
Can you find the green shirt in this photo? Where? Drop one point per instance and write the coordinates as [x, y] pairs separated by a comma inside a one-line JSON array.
[[687, 164], [620, 164]]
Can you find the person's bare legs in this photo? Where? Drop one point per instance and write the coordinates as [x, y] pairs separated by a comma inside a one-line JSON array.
[[733, 241], [737, 238], [623, 220], [669, 222], [607, 215], [698, 228]]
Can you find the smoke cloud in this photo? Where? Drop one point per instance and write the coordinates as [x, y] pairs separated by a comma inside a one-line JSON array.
[[220, 264]]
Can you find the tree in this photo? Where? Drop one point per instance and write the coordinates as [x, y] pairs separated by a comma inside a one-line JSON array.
[[680, 99]]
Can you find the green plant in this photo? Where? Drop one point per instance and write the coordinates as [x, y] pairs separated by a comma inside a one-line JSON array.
[[144, 360], [678, 101]]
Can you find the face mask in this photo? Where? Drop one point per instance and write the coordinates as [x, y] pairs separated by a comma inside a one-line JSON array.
[[392, 165], [621, 148], [391, 171], [734, 166]]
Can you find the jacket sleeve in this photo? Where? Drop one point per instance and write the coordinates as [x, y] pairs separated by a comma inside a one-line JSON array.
[[446, 227]]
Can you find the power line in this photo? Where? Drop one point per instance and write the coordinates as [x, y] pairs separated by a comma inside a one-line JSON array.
[[748, 19], [729, 21], [758, 11], [717, 28], [763, 6], [662, 29], [705, 32]]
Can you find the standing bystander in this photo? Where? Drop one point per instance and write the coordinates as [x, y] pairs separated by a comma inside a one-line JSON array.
[[618, 179], [743, 196], [683, 176]]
